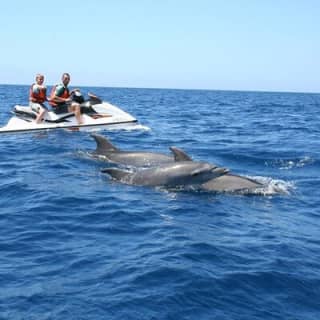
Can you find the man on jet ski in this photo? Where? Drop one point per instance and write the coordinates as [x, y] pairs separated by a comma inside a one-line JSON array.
[[61, 101]]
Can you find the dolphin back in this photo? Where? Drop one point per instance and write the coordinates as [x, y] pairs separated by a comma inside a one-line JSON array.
[[231, 183], [103, 144]]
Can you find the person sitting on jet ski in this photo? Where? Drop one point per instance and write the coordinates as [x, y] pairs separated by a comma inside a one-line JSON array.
[[60, 99], [37, 97]]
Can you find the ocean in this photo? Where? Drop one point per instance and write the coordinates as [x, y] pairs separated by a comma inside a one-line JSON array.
[[77, 245]]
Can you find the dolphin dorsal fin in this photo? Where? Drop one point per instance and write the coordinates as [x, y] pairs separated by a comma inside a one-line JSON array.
[[103, 144], [179, 155]]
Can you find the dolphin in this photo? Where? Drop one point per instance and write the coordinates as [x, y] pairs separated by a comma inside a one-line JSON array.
[[231, 183], [181, 173], [108, 152], [166, 171]]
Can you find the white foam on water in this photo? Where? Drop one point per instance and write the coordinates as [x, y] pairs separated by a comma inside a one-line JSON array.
[[287, 164], [134, 127], [138, 127], [270, 186]]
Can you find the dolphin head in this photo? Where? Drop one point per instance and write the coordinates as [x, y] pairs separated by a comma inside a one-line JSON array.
[[206, 171], [193, 173]]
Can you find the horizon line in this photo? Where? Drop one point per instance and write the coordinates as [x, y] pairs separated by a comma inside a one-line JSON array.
[[182, 89]]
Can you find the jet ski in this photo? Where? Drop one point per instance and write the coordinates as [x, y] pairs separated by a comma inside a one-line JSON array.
[[96, 115]]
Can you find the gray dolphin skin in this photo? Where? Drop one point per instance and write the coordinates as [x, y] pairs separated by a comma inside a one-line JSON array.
[[108, 152], [230, 183], [181, 173]]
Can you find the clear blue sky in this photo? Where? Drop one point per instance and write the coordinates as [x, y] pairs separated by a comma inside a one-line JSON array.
[[268, 45]]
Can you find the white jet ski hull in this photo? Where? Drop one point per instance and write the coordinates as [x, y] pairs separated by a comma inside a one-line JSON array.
[[107, 116]]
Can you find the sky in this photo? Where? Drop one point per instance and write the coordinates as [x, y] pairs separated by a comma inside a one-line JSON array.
[[264, 45]]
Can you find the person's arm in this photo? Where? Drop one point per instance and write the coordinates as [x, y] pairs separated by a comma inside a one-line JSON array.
[[56, 98], [47, 99], [32, 99], [33, 89]]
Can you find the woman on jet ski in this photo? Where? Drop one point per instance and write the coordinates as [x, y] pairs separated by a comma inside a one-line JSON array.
[[61, 101], [37, 97]]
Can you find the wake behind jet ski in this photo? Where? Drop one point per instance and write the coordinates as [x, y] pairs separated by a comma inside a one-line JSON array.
[[95, 114]]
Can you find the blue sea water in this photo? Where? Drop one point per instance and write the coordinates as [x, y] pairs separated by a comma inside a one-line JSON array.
[[76, 245]]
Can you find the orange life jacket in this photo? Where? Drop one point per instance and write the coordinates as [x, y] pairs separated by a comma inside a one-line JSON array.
[[65, 95], [40, 96]]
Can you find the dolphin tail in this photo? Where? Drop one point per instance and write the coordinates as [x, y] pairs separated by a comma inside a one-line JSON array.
[[103, 144], [179, 155], [116, 173]]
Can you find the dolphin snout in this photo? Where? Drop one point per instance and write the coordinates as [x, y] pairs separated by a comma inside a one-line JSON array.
[[219, 170]]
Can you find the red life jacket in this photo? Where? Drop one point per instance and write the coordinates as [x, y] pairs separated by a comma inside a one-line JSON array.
[[39, 97], [65, 95]]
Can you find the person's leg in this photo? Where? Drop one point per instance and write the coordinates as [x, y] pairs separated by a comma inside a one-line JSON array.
[[41, 113], [39, 110], [75, 107]]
